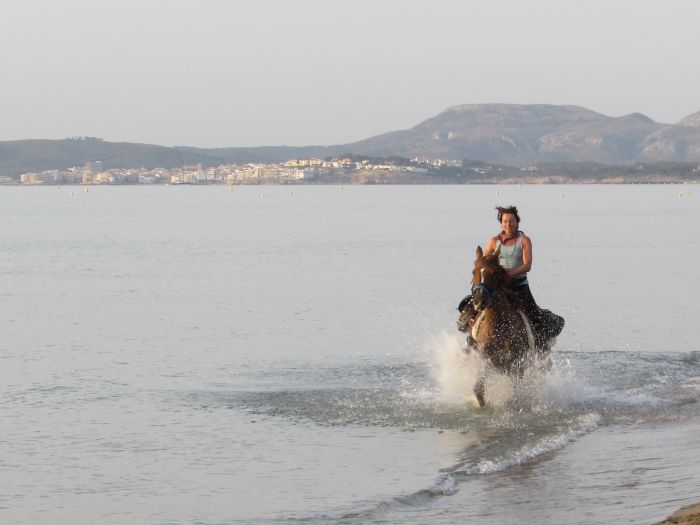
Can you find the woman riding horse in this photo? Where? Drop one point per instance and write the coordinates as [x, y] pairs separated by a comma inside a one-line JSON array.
[[515, 255]]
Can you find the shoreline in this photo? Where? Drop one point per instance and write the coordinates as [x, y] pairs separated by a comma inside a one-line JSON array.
[[347, 182], [689, 515]]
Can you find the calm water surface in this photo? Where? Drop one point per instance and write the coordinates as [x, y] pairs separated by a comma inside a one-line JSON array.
[[289, 354]]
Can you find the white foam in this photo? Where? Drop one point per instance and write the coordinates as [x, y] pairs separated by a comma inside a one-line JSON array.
[[584, 425], [447, 486]]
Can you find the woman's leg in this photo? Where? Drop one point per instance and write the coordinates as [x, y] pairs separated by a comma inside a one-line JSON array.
[[526, 302]]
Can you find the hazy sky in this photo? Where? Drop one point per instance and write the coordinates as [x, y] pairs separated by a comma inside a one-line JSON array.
[[297, 72]]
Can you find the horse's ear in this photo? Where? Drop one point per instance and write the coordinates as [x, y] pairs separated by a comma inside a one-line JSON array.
[[497, 253], [479, 252]]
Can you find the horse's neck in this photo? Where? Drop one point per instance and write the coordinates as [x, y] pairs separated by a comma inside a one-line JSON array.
[[501, 332], [499, 313]]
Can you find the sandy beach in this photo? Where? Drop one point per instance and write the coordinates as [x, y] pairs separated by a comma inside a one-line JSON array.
[[686, 516]]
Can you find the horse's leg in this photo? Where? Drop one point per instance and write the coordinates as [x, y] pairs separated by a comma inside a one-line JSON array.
[[479, 392]]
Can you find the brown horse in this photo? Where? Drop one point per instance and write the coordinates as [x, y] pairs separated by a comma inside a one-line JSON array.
[[497, 328]]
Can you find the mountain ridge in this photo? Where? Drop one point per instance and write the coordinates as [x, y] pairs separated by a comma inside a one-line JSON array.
[[510, 134]]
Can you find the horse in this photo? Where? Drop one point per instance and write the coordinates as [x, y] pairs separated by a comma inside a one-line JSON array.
[[497, 328]]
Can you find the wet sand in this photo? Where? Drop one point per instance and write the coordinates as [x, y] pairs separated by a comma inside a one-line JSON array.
[[685, 516]]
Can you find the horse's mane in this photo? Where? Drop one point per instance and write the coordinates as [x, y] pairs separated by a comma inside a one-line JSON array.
[[491, 258]]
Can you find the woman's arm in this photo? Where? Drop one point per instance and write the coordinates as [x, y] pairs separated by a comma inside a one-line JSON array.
[[491, 245], [527, 259]]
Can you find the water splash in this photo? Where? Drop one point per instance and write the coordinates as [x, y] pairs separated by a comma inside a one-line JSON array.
[[454, 371]]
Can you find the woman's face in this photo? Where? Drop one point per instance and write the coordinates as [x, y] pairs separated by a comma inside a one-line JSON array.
[[509, 224]]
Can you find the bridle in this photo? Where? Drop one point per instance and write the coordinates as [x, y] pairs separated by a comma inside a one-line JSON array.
[[487, 295]]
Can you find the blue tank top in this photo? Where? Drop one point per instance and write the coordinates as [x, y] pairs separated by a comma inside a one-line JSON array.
[[512, 257]]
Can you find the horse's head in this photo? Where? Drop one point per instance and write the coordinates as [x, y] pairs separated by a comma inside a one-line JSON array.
[[488, 278]]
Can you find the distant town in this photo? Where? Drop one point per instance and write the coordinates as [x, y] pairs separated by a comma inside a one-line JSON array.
[[289, 172], [352, 169]]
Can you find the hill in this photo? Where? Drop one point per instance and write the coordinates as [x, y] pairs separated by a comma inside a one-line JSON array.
[[520, 135], [21, 156]]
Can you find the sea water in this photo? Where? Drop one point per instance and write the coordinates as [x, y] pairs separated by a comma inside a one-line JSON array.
[[289, 354]]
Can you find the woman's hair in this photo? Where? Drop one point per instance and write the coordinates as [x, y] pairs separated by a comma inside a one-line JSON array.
[[508, 209]]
